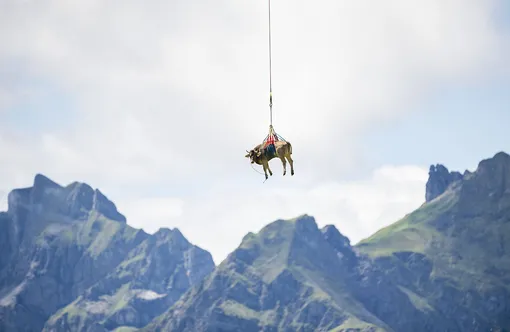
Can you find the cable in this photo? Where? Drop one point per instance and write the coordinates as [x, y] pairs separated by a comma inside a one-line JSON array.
[[270, 74]]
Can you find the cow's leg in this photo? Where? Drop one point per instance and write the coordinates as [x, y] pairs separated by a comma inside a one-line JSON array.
[[269, 169], [291, 162], [265, 169], [284, 162]]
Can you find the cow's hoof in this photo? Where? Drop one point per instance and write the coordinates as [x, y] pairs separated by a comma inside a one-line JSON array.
[[292, 173]]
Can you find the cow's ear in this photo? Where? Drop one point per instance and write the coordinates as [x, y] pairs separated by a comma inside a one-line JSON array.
[[248, 155]]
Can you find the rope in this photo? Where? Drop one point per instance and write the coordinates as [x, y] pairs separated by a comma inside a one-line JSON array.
[[270, 74], [258, 172], [277, 135], [270, 91]]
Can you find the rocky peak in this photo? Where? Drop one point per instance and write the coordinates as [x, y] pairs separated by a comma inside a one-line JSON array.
[[106, 207], [75, 200], [502, 156], [79, 199], [173, 236], [37, 194], [63, 247], [42, 182], [489, 183], [499, 163], [41, 187], [335, 238], [339, 242], [305, 224], [439, 180]]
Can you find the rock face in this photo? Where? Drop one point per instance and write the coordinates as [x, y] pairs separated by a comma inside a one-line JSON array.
[[444, 267], [439, 180], [69, 262], [150, 279], [291, 276], [61, 246], [452, 253]]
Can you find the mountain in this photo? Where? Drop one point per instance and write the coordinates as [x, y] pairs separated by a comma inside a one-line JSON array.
[[291, 276], [68, 254], [443, 267], [70, 262], [456, 245], [150, 279]]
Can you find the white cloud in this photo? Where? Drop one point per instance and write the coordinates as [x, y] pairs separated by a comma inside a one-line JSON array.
[[218, 219], [166, 97], [152, 213], [3, 200]]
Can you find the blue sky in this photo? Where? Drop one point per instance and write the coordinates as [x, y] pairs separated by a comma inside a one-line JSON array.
[[456, 127], [155, 105]]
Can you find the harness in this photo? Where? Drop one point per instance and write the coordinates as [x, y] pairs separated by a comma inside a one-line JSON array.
[[268, 144]]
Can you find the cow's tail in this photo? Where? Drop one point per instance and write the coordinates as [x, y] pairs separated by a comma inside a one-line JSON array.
[[290, 148]]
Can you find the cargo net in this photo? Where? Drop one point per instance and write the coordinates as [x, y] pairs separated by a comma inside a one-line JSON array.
[[271, 138], [268, 144]]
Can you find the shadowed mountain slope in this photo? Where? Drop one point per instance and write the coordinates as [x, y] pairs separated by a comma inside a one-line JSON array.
[[69, 262], [62, 244], [444, 267]]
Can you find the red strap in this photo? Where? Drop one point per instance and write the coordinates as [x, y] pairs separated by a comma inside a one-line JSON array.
[[270, 140]]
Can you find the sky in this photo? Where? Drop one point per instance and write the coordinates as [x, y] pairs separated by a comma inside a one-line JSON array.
[[156, 102]]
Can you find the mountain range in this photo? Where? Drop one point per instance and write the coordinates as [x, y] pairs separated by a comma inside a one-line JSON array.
[[70, 262]]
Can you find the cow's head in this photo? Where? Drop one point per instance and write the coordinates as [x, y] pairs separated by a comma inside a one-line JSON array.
[[254, 155]]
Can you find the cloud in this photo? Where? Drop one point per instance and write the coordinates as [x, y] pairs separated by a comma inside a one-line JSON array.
[[151, 213], [3, 200], [220, 218], [163, 98]]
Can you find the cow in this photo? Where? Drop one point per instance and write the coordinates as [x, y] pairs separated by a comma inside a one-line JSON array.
[[260, 156]]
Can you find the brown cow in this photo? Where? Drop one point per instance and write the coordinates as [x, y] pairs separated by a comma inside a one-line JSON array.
[[283, 150]]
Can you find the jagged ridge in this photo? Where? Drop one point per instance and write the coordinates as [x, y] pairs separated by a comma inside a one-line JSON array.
[[64, 244], [445, 266], [423, 273], [291, 276]]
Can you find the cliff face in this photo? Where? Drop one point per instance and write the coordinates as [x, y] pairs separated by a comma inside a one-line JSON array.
[[69, 262], [452, 253], [291, 276], [60, 243], [439, 180], [444, 267]]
